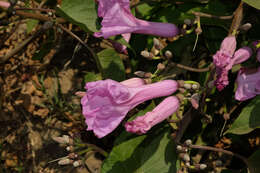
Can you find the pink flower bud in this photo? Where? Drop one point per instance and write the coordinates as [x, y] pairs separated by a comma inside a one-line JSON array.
[[143, 123]]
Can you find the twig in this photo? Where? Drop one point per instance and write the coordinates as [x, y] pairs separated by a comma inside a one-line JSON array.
[[200, 14], [191, 68], [220, 150], [36, 9], [39, 17]]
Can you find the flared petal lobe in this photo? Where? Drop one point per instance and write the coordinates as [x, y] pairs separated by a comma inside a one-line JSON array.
[[229, 45], [107, 102], [241, 55], [144, 123]]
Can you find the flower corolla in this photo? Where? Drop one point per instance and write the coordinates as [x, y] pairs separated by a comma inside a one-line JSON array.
[[118, 19], [226, 57]]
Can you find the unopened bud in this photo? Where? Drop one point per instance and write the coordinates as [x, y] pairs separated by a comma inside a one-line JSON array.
[[188, 142], [148, 80], [65, 161], [195, 86], [140, 73], [148, 75], [69, 148], [65, 139], [245, 27], [180, 83], [226, 116], [168, 54], [147, 54], [198, 31], [179, 148], [203, 166], [73, 155], [187, 164], [187, 21], [157, 44], [185, 157], [195, 98], [77, 163], [187, 86], [160, 66], [80, 93]]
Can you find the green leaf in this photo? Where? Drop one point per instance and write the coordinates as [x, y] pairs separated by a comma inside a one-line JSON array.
[[31, 23], [91, 76], [248, 119], [253, 162], [253, 3], [80, 12], [111, 65], [143, 155], [177, 15]]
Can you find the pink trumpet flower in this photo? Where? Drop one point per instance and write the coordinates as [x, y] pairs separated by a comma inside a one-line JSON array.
[[118, 19], [4, 4], [226, 57], [107, 102], [144, 123], [248, 84]]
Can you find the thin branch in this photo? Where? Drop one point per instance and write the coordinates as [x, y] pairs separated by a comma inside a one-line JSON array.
[[39, 17], [191, 68], [220, 150], [200, 14], [36, 9]]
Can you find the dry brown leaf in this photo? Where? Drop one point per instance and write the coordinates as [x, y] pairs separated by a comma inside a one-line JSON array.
[[65, 79], [28, 88], [51, 86], [43, 112], [11, 162]]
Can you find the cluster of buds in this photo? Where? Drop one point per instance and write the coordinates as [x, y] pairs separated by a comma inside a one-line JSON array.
[[191, 90], [183, 153], [72, 157], [158, 45]]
